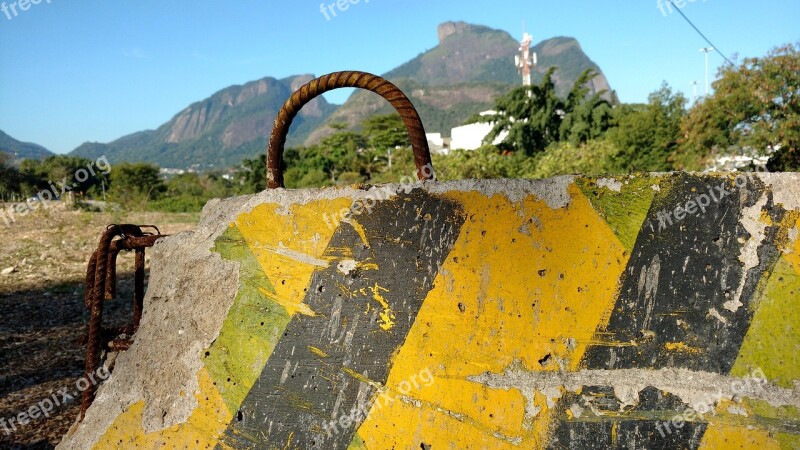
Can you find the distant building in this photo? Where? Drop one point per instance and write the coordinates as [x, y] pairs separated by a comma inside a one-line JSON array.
[[437, 143], [167, 172], [748, 159], [470, 137]]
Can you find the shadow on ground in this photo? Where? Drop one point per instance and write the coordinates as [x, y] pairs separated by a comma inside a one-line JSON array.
[[41, 356]]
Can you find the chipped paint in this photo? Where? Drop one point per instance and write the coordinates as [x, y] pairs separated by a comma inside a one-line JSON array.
[[610, 183]]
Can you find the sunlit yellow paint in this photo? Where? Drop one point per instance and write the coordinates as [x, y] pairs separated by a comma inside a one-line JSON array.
[[204, 427], [386, 319], [376, 295], [275, 240], [360, 377], [317, 351], [681, 347], [292, 307], [367, 266], [386, 316], [511, 313], [728, 437]]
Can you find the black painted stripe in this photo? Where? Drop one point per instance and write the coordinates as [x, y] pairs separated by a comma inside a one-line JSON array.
[[677, 273], [300, 397], [646, 425]]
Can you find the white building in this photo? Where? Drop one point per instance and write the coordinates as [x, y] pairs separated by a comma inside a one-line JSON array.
[[470, 137], [436, 142]]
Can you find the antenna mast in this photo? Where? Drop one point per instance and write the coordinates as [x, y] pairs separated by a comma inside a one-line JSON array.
[[526, 60]]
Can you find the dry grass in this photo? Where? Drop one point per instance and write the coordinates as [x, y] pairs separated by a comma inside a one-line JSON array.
[[43, 316]]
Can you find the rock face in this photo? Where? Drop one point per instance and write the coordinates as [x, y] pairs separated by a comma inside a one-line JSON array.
[[448, 29], [646, 312], [471, 67], [221, 130]]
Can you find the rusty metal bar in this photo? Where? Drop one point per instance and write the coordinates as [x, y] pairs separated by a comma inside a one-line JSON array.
[[111, 282], [101, 286], [96, 313], [349, 79]]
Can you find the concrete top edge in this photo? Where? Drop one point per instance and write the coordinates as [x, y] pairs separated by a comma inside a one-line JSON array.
[[554, 191]]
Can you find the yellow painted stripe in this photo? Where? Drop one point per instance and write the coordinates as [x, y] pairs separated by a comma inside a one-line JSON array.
[[770, 346], [289, 245], [204, 427], [727, 437], [522, 282]]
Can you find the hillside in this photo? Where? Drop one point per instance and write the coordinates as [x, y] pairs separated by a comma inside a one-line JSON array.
[[470, 67], [216, 132], [22, 150]]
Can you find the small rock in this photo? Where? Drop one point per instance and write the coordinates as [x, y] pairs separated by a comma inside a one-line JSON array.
[[8, 271]]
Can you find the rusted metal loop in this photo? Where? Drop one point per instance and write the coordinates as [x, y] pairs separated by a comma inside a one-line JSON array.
[[101, 285], [349, 79], [143, 227]]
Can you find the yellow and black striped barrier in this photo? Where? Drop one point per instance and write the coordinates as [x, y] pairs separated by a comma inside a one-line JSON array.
[[649, 312]]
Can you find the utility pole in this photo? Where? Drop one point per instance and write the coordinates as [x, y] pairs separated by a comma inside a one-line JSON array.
[[694, 91], [707, 50]]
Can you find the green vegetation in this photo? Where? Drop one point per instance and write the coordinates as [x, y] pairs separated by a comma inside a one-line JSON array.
[[755, 109], [755, 105], [535, 117], [82, 176]]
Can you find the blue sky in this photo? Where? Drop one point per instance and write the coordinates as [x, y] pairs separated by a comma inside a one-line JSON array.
[[96, 70]]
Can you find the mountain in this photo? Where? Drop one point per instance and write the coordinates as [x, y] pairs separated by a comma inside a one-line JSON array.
[[219, 131], [464, 74], [22, 150], [470, 67]]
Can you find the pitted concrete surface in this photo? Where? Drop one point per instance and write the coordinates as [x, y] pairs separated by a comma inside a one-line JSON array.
[[564, 313]]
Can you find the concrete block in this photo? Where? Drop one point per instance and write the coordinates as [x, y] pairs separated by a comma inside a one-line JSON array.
[[650, 311]]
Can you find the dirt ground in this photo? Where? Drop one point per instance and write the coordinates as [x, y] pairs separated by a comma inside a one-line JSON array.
[[42, 314]]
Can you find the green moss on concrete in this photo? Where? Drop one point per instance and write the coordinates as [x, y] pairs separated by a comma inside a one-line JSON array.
[[624, 211], [251, 329], [788, 441], [773, 341], [357, 443]]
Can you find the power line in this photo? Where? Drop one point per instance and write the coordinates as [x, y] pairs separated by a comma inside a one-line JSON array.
[[701, 33]]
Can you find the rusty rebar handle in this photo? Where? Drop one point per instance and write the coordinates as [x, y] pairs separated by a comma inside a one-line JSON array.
[[350, 79]]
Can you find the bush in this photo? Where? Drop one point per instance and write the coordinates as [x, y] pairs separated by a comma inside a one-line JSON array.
[[595, 157]]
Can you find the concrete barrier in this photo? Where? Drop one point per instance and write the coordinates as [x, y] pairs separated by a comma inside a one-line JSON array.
[[652, 311]]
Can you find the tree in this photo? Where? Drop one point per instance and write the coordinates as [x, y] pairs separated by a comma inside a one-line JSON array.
[[386, 132], [535, 117], [595, 157], [647, 135], [586, 117], [252, 173], [134, 184], [755, 106], [531, 115], [9, 177]]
